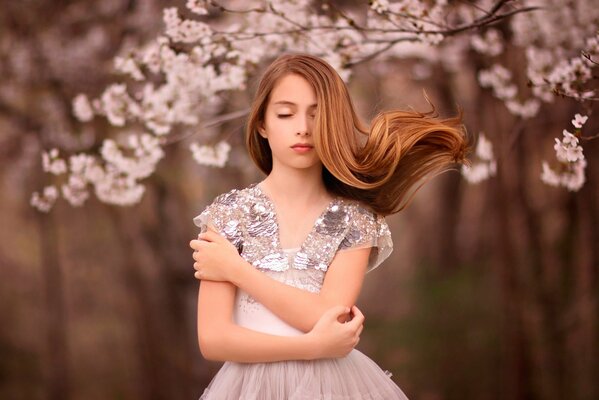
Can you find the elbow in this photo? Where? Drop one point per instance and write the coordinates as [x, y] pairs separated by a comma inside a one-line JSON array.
[[205, 348], [209, 345]]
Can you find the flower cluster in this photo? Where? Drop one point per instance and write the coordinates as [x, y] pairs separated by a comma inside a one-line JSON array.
[[82, 109], [213, 156], [555, 51], [115, 178], [184, 74], [197, 6], [185, 31], [52, 164], [500, 80], [570, 171], [146, 154], [46, 200], [485, 167], [490, 44]]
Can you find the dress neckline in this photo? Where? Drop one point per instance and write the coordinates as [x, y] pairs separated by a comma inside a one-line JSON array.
[[272, 206]]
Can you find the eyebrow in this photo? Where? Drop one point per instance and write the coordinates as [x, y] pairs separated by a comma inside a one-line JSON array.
[[290, 103]]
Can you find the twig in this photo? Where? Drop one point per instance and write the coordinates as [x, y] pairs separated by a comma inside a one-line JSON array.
[[208, 124]]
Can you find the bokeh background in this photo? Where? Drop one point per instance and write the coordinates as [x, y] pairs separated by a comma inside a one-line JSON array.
[[490, 293]]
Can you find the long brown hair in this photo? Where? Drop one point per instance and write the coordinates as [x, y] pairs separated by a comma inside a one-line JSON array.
[[400, 149]]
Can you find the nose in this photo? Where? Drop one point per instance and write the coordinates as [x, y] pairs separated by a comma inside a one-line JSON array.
[[304, 127]]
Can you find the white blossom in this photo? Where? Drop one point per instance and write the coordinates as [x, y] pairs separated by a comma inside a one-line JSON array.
[[490, 43], [118, 189], [572, 177], [198, 6], [571, 161], [579, 120], [211, 155], [380, 6], [186, 31], [146, 154], [75, 191], [499, 79], [479, 172], [118, 105], [52, 164], [127, 65], [82, 108], [46, 200], [485, 167], [568, 150], [484, 148], [549, 176], [178, 83]]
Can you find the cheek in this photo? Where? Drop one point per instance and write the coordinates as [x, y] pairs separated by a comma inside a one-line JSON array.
[[276, 131]]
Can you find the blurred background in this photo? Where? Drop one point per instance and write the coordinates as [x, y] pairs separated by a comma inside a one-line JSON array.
[[490, 293]]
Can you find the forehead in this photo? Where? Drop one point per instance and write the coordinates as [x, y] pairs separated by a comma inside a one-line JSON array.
[[293, 90]]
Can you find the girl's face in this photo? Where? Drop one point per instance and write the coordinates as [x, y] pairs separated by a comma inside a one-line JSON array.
[[288, 120]]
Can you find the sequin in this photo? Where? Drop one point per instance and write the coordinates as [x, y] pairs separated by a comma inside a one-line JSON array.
[[247, 217]]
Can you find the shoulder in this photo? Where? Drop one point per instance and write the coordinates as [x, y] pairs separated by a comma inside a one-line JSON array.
[[363, 220], [359, 211], [238, 199], [230, 198]]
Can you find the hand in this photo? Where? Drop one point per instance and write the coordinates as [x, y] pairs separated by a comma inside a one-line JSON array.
[[215, 257], [334, 339]]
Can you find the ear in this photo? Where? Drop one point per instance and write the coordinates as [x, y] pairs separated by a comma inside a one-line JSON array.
[[261, 130]]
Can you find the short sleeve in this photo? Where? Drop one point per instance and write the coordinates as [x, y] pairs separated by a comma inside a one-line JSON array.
[[225, 217], [368, 229]]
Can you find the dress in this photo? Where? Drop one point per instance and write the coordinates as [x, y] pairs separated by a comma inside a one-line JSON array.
[[248, 219]]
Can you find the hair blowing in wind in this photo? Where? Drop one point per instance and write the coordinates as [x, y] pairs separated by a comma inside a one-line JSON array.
[[383, 166]]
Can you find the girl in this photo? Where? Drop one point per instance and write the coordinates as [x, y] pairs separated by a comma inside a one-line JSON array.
[[282, 261]]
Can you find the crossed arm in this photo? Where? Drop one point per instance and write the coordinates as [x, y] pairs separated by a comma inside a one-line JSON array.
[[221, 339], [300, 308]]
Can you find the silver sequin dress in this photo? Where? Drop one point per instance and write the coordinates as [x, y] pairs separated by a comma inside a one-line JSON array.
[[247, 218]]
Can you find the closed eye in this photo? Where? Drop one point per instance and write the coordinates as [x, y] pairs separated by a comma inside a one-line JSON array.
[[284, 115]]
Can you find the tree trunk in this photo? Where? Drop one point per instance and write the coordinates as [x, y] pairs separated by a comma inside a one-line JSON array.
[[144, 277], [56, 361], [517, 363]]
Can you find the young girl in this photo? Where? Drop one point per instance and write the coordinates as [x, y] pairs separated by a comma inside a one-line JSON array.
[[282, 261]]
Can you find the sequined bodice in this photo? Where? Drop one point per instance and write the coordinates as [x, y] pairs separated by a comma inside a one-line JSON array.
[[247, 218]]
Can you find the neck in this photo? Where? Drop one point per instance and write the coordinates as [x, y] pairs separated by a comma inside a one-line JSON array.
[[296, 186]]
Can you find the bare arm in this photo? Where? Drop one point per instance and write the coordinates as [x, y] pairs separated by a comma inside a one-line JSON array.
[[300, 308], [222, 340]]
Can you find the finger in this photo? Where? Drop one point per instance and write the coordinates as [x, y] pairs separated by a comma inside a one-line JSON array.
[[336, 311], [209, 236], [197, 275], [357, 312], [196, 266], [358, 318], [194, 244], [359, 331]]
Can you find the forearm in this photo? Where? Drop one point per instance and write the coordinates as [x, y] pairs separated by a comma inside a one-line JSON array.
[[299, 308], [235, 343]]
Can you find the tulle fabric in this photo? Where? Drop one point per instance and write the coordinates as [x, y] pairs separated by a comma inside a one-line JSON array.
[[353, 377]]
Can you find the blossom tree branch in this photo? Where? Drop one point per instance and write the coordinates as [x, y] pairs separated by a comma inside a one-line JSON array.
[[176, 84]]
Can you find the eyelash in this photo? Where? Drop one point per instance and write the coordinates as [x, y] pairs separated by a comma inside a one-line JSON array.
[[289, 115]]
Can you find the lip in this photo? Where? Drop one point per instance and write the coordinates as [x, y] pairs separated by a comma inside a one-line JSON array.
[[302, 148]]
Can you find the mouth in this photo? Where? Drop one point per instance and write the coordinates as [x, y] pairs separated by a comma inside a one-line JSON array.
[[301, 146]]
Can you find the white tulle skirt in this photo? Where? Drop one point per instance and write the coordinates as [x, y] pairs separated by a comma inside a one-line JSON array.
[[353, 377]]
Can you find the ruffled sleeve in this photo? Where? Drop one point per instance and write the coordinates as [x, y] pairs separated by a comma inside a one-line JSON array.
[[224, 216], [368, 229]]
